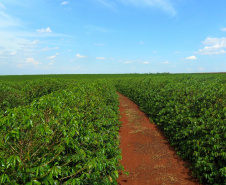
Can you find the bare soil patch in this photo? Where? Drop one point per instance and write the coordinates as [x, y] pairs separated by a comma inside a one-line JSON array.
[[146, 153]]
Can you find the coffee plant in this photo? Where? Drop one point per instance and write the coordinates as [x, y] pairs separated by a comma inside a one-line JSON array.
[[192, 113], [68, 136]]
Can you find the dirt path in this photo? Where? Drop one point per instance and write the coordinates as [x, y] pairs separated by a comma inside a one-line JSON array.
[[146, 154]]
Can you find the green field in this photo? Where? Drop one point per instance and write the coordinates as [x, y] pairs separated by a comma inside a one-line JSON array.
[[83, 77], [91, 77], [62, 129]]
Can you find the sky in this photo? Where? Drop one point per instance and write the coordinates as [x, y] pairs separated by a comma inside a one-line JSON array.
[[112, 36]]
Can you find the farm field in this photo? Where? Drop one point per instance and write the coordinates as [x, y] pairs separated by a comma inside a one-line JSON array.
[[54, 132], [122, 92], [191, 110], [75, 122], [91, 77], [80, 77]]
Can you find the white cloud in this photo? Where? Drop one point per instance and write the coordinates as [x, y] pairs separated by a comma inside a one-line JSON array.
[[35, 42], [51, 57], [20, 41], [213, 46], [141, 42], [32, 61], [146, 62], [80, 56], [166, 62], [191, 58], [100, 58], [128, 62], [65, 2], [48, 49], [44, 30], [223, 29]]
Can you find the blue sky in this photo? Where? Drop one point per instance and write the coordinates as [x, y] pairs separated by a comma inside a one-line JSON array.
[[117, 36]]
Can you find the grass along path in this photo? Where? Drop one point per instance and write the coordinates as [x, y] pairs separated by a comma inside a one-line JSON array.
[[146, 154]]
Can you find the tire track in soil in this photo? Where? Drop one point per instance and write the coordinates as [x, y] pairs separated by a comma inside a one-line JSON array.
[[146, 154]]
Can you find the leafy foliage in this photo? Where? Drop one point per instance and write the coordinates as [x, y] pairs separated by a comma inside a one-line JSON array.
[[65, 132], [10, 97], [21, 94], [66, 137], [192, 113]]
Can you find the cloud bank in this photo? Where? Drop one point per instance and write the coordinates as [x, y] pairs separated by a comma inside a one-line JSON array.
[[213, 46]]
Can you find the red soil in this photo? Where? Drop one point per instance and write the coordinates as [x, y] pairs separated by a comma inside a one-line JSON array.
[[146, 154]]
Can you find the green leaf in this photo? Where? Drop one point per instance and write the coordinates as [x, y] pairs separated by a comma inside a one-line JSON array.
[[36, 182]]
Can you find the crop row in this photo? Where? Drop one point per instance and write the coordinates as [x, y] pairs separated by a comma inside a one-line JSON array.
[[23, 93], [192, 113], [67, 136]]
